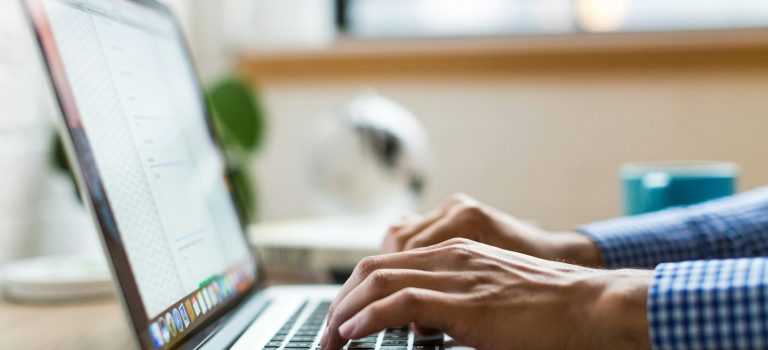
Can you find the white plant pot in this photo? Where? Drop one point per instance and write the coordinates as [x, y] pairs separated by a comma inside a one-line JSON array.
[[23, 170], [64, 226]]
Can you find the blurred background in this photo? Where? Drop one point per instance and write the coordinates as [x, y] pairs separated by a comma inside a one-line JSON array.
[[528, 105]]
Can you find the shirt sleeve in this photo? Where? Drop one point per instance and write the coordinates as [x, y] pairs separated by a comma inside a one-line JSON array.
[[709, 304], [732, 227]]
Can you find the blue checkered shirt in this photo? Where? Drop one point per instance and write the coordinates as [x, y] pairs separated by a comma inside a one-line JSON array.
[[710, 287]]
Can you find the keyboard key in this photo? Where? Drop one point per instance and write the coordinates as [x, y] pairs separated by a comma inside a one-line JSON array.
[[298, 345], [436, 339], [306, 333], [366, 343], [398, 334], [372, 338], [303, 338], [370, 346], [386, 342], [392, 336]]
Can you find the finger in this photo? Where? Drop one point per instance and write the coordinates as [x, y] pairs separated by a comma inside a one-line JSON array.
[[383, 283], [415, 227], [405, 221], [419, 260], [428, 308], [395, 241], [421, 330], [464, 219], [441, 231], [434, 258], [439, 257]]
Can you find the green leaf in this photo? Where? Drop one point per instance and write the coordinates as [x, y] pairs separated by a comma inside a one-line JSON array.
[[238, 114]]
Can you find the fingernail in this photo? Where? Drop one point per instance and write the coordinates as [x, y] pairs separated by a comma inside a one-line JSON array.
[[347, 328]]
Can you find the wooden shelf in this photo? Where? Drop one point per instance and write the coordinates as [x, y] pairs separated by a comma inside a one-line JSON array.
[[350, 56]]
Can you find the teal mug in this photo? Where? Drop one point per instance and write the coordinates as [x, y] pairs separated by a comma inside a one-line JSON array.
[[650, 187]]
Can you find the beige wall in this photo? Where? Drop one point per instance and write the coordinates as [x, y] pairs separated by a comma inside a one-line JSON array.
[[542, 144]]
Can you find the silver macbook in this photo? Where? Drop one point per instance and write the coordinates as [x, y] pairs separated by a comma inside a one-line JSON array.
[[136, 125]]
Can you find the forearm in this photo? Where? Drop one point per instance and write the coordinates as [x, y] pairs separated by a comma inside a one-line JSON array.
[[702, 304], [579, 249], [732, 227]]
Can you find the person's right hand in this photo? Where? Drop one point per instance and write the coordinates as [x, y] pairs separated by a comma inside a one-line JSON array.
[[464, 217], [489, 298]]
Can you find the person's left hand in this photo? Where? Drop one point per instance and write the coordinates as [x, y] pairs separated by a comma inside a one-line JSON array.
[[490, 298]]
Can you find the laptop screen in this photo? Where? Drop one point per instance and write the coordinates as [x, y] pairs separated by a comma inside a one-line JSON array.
[[153, 173]]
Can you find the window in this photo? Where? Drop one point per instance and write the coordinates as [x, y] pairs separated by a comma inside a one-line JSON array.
[[438, 18]]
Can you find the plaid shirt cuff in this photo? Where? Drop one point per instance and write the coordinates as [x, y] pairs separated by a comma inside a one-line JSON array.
[[643, 241], [710, 304], [732, 227]]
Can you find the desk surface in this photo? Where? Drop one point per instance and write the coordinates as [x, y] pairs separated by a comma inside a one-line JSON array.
[[82, 326], [96, 325]]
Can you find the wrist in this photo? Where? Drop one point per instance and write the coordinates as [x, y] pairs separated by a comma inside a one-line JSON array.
[[619, 316], [575, 248]]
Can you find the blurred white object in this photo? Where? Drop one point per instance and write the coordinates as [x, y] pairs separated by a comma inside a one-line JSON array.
[[63, 223], [39, 212], [315, 247], [427, 18], [57, 278], [281, 24], [24, 160], [371, 158], [23, 104], [24, 135]]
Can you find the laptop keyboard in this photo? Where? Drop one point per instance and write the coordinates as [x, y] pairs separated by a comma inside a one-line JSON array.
[[307, 335]]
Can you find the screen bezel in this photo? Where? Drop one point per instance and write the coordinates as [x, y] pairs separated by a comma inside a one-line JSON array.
[[80, 156]]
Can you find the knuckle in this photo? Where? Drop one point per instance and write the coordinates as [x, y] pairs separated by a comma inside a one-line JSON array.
[[367, 265], [470, 212], [410, 297], [380, 278], [459, 241], [461, 252]]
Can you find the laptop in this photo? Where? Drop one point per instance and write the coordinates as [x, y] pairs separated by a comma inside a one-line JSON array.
[[138, 132]]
